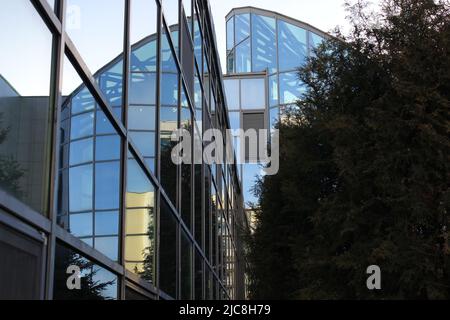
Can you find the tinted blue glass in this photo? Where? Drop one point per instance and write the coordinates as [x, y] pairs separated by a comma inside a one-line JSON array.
[[274, 117], [80, 224], [242, 27], [230, 33], [141, 118], [169, 89], [273, 90], [253, 93], [81, 151], [251, 173], [142, 88], [82, 126], [103, 126], [232, 92], [82, 101], [291, 45], [197, 43], [235, 120], [111, 82], [167, 58], [108, 246], [243, 61], [145, 142], [143, 57], [264, 48], [291, 88], [80, 188], [106, 223], [314, 42], [107, 185], [107, 148]]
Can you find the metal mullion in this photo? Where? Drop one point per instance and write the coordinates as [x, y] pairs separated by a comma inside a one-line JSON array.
[[57, 102], [124, 142], [49, 17]]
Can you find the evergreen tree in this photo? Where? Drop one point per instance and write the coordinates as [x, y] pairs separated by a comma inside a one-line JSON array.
[[364, 176]]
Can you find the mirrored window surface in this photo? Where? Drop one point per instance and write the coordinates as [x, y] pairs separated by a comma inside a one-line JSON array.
[[242, 27], [253, 93], [96, 28], [291, 88], [140, 223], [264, 49], [243, 57], [97, 283], [292, 49], [25, 112]]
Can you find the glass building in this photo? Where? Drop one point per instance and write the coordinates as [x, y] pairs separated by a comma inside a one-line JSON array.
[[264, 51], [90, 93]]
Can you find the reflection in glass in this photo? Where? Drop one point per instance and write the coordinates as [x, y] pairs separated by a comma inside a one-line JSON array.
[[292, 48], [230, 34], [273, 90], [186, 267], [186, 168], [96, 282], [242, 27], [264, 48], [232, 93], [168, 251], [253, 94], [98, 35], [140, 223], [25, 113], [291, 88], [243, 59]]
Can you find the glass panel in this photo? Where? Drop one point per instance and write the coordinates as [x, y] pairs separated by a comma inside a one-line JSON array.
[[81, 151], [140, 232], [107, 223], [274, 117], [264, 48], [142, 118], [314, 40], [82, 101], [230, 62], [82, 126], [291, 88], [232, 93], [291, 45], [168, 120], [81, 224], [251, 173], [25, 113], [142, 88], [80, 188], [96, 282], [186, 268], [273, 90], [230, 33], [107, 148], [197, 42], [186, 168], [235, 120], [253, 94], [243, 61], [168, 251], [107, 185], [96, 28], [198, 276], [242, 27], [144, 142]]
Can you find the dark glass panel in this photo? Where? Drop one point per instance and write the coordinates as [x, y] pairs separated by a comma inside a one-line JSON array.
[[96, 282], [168, 251]]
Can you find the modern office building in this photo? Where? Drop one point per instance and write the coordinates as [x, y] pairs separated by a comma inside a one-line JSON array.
[[264, 51], [91, 205]]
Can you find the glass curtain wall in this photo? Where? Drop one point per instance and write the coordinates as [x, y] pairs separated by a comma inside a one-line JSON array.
[[100, 185]]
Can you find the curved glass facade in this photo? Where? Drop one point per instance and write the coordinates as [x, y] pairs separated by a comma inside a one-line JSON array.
[[264, 41]]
